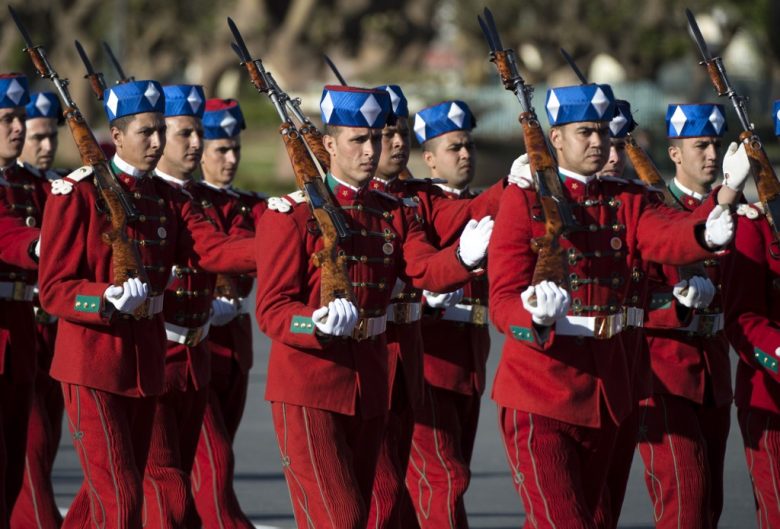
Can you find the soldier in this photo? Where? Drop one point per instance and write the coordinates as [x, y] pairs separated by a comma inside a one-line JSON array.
[[24, 198], [685, 423], [752, 306], [35, 506], [456, 342], [110, 362], [562, 384], [443, 220], [229, 340], [327, 377]]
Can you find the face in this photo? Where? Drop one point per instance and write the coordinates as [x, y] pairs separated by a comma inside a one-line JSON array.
[[453, 158], [183, 145], [220, 160], [12, 132], [40, 144], [142, 144], [354, 153], [696, 160], [581, 147], [395, 149], [616, 163]]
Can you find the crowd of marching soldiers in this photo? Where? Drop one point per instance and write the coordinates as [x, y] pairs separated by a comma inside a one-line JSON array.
[[375, 396]]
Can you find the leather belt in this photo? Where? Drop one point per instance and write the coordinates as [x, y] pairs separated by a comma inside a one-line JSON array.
[[186, 335], [635, 317], [705, 324], [43, 317], [473, 314], [404, 312], [16, 291], [369, 327], [598, 327]]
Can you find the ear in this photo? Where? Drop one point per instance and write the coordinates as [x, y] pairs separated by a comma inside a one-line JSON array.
[[430, 159], [556, 138], [117, 136], [674, 154], [329, 142]]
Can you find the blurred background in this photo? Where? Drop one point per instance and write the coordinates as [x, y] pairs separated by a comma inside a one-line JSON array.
[[433, 49]]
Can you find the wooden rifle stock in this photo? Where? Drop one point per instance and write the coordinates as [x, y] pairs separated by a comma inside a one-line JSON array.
[[647, 171], [313, 139], [334, 278]]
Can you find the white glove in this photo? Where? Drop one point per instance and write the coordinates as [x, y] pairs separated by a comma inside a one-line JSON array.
[[129, 296], [552, 303], [695, 293], [337, 319], [222, 311], [38, 248], [719, 229], [442, 301], [520, 173], [736, 167], [474, 241]]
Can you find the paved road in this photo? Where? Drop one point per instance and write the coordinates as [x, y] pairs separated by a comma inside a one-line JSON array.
[[491, 501]]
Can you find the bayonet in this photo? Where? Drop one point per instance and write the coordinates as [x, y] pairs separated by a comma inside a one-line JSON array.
[[96, 79], [697, 37], [335, 70], [118, 67], [574, 67]]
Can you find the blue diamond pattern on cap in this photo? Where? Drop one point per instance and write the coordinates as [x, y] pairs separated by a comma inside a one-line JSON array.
[[131, 98], [695, 120], [347, 106], [776, 116], [442, 118], [184, 100], [399, 107], [44, 105], [623, 122], [14, 90], [222, 119], [572, 104]]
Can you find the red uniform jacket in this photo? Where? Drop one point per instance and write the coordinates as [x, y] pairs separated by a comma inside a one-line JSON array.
[[444, 220], [456, 353], [340, 375], [25, 197], [119, 354], [752, 295], [239, 211], [686, 364], [569, 378]]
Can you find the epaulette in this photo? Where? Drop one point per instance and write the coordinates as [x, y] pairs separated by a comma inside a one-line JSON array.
[[64, 185], [382, 194], [751, 211], [286, 203]]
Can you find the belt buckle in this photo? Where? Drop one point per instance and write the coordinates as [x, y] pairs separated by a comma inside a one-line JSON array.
[[18, 291], [605, 327], [706, 324], [360, 332], [402, 312], [478, 315], [193, 337]]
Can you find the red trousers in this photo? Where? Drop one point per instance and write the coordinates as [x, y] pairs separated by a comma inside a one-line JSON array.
[[212, 473], [389, 494], [111, 435], [329, 461], [559, 469], [614, 492], [683, 445], [15, 400], [761, 436], [438, 473], [178, 416], [35, 507]]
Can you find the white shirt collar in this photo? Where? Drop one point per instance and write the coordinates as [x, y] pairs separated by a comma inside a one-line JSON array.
[[169, 178], [453, 190], [386, 182], [576, 176], [127, 168], [341, 182], [689, 192]]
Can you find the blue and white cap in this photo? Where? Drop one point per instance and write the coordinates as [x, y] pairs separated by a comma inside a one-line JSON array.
[[14, 90], [44, 105], [695, 120], [572, 104], [442, 118], [347, 106], [135, 97], [184, 100], [222, 119], [623, 122], [399, 107], [776, 116]]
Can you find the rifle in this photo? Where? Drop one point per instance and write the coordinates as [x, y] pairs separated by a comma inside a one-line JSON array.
[[551, 262], [126, 260], [335, 281], [96, 80], [764, 175], [120, 72]]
